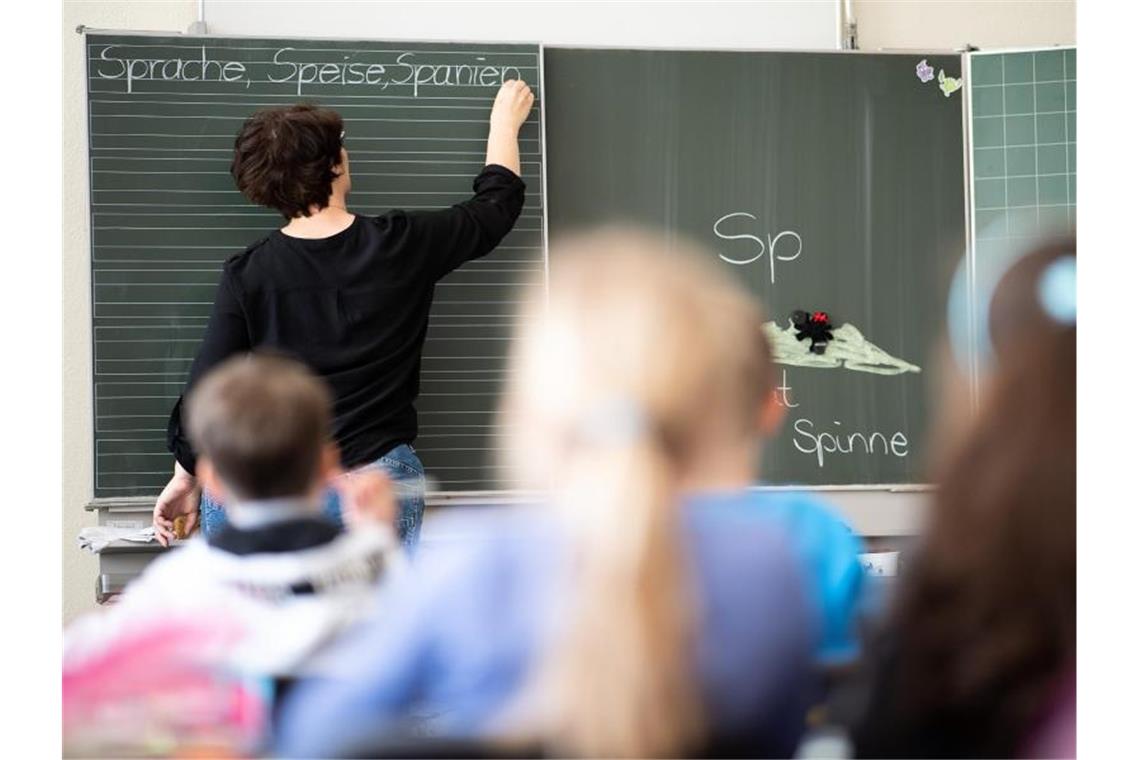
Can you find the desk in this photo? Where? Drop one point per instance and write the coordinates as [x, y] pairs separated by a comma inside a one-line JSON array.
[[885, 518]]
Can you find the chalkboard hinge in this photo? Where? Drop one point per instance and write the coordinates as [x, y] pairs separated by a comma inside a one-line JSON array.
[[199, 26], [849, 27]]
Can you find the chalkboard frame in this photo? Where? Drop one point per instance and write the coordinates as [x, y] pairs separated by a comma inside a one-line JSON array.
[[884, 486], [84, 31], [455, 497]]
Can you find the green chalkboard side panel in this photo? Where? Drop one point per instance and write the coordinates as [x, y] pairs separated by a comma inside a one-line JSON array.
[[848, 167], [1024, 120], [165, 214]]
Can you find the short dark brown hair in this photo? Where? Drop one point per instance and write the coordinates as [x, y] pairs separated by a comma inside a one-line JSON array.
[[262, 421], [286, 158]]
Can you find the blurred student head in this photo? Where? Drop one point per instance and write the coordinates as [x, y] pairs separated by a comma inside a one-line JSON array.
[[645, 373], [292, 159], [641, 340], [262, 427], [987, 613]]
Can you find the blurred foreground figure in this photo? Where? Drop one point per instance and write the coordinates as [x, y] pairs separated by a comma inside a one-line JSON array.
[[190, 657], [980, 657], [653, 605]]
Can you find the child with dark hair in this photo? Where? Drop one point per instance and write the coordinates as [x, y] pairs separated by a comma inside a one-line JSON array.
[[260, 597], [979, 657]]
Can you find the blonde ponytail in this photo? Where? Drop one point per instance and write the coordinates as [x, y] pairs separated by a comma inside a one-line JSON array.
[[638, 359], [621, 677]]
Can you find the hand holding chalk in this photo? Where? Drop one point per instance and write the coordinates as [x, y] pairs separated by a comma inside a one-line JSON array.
[[366, 496], [512, 105], [176, 511]]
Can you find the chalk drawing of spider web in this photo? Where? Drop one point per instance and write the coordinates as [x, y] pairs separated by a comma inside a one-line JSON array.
[[847, 350]]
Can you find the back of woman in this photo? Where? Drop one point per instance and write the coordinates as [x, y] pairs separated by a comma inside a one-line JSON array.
[[619, 618], [981, 648]]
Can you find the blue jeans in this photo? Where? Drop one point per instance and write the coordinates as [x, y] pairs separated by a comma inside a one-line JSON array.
[[400, 464]]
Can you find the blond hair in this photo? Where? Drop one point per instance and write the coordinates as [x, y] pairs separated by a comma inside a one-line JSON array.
[[642, 353]]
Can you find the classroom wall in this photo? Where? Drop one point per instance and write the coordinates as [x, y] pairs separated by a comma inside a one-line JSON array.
[[951, 24], [709, 24], [806, 24], [809, 24], [80, 568], [882, 23]]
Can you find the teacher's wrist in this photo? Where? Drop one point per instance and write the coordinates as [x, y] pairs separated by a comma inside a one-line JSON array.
[[504, 129], [181, 473]]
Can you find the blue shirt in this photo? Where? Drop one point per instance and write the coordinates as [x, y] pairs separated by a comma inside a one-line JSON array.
[[460, 636], [827, 551]]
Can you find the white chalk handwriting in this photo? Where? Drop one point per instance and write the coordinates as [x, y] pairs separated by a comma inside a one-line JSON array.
[[789, 250], [293, 66], [841, 442]]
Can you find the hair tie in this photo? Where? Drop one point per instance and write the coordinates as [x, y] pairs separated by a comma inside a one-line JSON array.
[[973, 289], [616, 421], [1057, 290]]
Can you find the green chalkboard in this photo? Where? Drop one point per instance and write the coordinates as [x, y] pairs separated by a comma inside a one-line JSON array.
[[1023, 120], [848, 167], [163, 113], [1024, 125]]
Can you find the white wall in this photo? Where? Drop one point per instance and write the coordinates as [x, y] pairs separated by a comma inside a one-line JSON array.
[[951, 24], [80, 568], [812, 24], [806, 24], [882, 23]]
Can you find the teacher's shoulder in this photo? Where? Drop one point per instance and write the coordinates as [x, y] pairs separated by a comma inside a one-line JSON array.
[[238, 264], [243, 259], [393, 223], [246, 273]]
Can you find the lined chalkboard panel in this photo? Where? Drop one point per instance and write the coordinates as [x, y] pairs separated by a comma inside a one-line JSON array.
[[163, 113], [848, 169]]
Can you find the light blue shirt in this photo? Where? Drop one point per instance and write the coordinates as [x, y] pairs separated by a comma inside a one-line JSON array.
[[828, 552], [459, 637]]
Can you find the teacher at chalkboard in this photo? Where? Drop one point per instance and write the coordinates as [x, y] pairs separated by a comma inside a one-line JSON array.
[[347, 294]]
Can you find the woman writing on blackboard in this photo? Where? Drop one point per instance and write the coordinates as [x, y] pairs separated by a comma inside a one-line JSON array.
[[349, 295]]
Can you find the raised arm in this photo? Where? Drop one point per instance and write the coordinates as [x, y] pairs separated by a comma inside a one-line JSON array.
[[444, 240], [512, 105]]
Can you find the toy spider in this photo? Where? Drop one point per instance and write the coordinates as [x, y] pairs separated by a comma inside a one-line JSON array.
[[816, 326]]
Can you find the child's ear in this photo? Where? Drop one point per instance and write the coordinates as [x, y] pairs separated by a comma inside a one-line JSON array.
[[770, 416], [330, 466], [208, 476]]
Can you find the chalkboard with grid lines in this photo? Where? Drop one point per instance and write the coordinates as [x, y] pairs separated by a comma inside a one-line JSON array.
[[1024, 144]]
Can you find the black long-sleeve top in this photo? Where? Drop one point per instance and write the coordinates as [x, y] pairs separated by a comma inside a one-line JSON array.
[[354, 307]]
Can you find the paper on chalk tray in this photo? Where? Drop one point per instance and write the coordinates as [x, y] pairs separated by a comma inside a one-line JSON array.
[[96, 538], [880, 563]]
